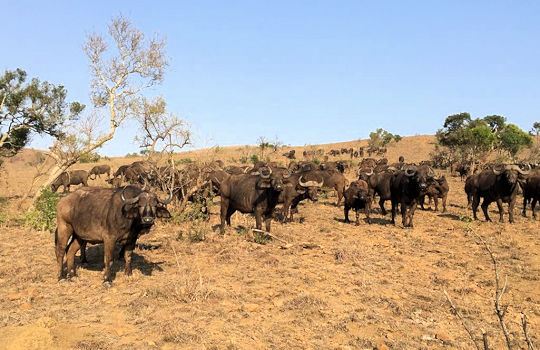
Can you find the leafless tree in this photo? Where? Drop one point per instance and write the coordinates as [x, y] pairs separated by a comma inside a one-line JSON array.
[[122, 66]]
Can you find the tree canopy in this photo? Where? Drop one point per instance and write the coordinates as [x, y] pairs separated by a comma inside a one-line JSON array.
[[381, 138], [27, 108]]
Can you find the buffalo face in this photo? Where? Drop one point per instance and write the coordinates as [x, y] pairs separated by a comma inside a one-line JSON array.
[[146, 206]]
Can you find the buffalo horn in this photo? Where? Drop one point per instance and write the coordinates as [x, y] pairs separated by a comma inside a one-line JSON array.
[[171, 192], [128, 201], [310, 183], [431, 172], [521, 171]]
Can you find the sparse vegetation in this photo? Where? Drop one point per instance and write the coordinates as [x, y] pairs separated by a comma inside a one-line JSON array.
[[43, 216]]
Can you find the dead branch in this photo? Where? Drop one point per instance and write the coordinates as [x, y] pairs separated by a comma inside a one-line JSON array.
[[525, 332], [499, 291], [455, 310], [270, 235]]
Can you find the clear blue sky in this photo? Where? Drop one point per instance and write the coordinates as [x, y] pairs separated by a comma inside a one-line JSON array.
[[308, 72]]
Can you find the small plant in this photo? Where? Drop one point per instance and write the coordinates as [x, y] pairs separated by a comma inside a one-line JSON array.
[[254, 159], [132, 155], [43, 217], [316, 161], [183, 161], [261, 238], [90, 158], [244, 160]]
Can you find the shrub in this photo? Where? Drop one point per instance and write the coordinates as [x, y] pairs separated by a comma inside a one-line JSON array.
[[90, 158], [254, 159], [183, 161], [43, 216], [243, 160]]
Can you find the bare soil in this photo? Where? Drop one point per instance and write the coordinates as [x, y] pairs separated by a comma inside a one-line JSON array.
[[329, 285]]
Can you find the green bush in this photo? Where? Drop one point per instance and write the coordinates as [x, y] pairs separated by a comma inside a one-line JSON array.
[[132, 155], [183, 161], [243, 160], [254, 159], [90, 158], [43, 216]]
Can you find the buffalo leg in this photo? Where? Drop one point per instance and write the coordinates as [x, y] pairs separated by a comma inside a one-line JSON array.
[[268, 222], [475, 202], [411, 214], [444, 204], [223, 213], [83, 252], [485, 205], [533, 205], [500, 207], [63, 233], [403, 215], [128, 250], [285, 211], [511, 210], [346, 209], [381, 204], [108, 249], [75, 245], [394, 206], [367, 209], [436, 201], [357, 221], [258, 219]]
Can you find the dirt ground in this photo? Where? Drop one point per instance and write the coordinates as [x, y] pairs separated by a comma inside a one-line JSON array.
[[334, 286]]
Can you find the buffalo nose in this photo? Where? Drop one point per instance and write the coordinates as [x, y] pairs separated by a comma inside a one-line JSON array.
[[148, 220]]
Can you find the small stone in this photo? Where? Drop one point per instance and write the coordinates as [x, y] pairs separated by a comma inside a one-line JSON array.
[[444, 337], [426, 337], [13, 297], [25, 306], [382, 346], [150, 343], [252, 307]]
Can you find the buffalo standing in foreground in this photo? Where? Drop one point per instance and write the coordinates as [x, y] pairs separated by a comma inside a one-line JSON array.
[[406, 187], [108, 216], [98, 170], [251, 193], [496, 185], [438, 188], [68, 178], [357, 197]]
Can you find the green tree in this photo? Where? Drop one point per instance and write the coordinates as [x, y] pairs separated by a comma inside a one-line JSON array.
[[381, 138], [263, 145], [513, 139], [27, 108]]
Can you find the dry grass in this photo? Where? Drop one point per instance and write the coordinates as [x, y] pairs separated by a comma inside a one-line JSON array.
[[339, 286]]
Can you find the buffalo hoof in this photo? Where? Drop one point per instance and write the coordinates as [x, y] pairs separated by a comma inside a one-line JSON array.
[[107, 284], [356, 224], [62, 280]]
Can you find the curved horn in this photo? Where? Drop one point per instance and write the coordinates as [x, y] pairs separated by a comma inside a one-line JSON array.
[[269, 172], [311, 183], [521, 171], [370, 172], [128, 201], [166, 201], [431, 172], [497, 172]]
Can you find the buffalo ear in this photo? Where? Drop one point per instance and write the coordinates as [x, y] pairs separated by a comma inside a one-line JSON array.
[[130, 211], [264, 184], [162, 212]]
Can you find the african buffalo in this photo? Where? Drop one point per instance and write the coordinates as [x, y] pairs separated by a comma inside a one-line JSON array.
[[108, 216], [437, 188], [406, 187], [68, 178], [497, 185], [298, 187], [251, 193], [98, 170], [531, 191], [357, 197]]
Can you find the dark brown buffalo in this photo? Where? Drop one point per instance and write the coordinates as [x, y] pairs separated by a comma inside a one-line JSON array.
[[298, 187], [120, 171], [406, 187], [251, 193], [98, 170], [337, 165], [379, 184], [470, 184], [497, 185], [68, 178], [333, 179], [437, 188], [237, 170], [108, 216], [531, 191], [357, 197]]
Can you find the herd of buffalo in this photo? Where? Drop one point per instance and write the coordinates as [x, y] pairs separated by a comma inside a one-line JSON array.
[[120, 214]]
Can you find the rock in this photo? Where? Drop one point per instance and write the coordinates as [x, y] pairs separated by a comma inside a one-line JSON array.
[[252, 307], [426, 337], [382, 346], [13, 297], [444, 337], [25, 306]]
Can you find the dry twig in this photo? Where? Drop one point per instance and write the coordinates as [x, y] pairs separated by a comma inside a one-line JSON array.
[[455, 310]]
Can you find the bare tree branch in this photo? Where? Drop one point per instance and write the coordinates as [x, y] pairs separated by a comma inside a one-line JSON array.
[[455, 310]]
